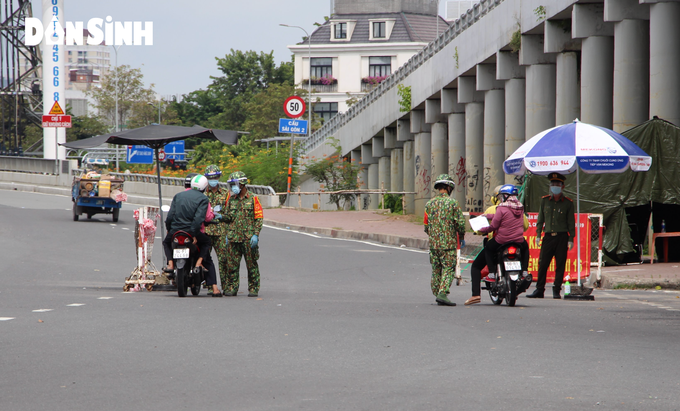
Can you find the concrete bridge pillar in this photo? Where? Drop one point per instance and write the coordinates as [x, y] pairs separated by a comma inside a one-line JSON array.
[[440, 150], [508, 69], [457, 155], [397, 170], [373, 184], [423, 175], [474, 156], [597, 63], [409, 177], [664, 61], [567, 92], [367, 160], [631, 73], [540, 98], [384, 173], [363, 199], [494, 142]]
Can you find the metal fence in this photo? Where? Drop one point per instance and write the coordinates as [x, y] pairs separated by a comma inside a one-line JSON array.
[[472, 16]]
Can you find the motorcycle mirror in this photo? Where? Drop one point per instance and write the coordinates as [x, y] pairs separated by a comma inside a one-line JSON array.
[[165, 208]]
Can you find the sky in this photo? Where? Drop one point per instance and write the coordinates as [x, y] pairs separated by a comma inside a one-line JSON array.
[[189, 34]]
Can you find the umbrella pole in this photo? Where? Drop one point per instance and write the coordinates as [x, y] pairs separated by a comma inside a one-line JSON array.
[[160, 199], [578, 225]]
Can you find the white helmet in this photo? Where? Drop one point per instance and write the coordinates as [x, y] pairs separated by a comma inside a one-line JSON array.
[[199, 183]]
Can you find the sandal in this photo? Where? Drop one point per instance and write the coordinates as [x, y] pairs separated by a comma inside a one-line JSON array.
[[473, 300]]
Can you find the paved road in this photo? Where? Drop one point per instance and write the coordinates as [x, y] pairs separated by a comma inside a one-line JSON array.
[[339, 325]]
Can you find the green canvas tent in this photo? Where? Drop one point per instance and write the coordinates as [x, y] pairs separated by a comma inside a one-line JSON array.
[[626, 200]]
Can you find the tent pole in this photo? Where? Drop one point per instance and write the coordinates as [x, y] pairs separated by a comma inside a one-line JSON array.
[[160, 199], [578, 225]]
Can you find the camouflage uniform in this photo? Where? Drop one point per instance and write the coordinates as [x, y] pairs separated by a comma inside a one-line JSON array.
[[217, 231], [443, 219], [244, 216]]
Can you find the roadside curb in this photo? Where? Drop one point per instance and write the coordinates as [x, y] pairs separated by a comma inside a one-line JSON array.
[[610, 281], [395, 240]]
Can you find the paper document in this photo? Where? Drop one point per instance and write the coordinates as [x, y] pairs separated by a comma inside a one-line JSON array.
[[478, 223]]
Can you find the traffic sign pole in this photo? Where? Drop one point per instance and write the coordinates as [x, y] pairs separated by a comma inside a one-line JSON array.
[[294, 107], [290, 169]]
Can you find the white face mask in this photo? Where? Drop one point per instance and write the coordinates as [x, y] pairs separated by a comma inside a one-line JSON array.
[[236, 189], [213, 183], [555, 190]]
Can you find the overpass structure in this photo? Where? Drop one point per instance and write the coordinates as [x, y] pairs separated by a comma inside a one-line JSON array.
[[503, 72]]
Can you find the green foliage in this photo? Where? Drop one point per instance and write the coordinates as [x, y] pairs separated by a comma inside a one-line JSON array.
[[85, 127], [404, 93], [130, 85], [393, 202], [455, 56], [265, 109], [335, 173], [540, 13], [516, 40], [351, 99]]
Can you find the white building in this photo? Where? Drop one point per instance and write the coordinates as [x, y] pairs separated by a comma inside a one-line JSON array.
[[362, 42], [85, 66], [454, 8]]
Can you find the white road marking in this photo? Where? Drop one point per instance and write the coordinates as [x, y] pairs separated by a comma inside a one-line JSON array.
[[349, 239], [651, 304], [43, 310], [74, 305], [104, 298], [6, 318]]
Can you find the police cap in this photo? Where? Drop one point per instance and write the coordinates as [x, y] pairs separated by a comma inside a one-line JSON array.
[[556, 177]]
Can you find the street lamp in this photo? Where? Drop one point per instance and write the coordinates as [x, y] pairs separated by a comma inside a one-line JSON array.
[[159, 109], [309, 105], [116, 111]]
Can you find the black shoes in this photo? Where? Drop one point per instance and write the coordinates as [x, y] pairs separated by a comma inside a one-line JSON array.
[[556, 294], [536, 294], [252, 294]]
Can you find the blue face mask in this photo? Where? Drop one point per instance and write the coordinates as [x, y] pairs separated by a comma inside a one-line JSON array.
[[236, 189], [555, 190], [213, 183]]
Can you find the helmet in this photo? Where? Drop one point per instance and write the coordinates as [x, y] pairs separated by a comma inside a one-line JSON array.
[[508, 189], [187, 180], [494, 197], [238, 177], [213, 172], [445, 179], [199, 183]]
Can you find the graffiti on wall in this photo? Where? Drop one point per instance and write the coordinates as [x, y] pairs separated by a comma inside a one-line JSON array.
[[460, 175]]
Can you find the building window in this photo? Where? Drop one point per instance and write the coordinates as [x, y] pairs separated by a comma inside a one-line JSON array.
[[379, 30], [326, 110], [322, 67], [379, 66], [341, 30]]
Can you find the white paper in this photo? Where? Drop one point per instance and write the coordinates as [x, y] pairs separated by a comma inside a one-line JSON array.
[[478, 223]]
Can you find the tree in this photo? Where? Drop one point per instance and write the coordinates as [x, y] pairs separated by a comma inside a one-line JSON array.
[[130, 85], [335, 173], [85, 127], [145, 113]]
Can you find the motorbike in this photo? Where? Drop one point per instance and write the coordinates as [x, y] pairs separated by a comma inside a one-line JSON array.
[[509, 282], [184, 255]]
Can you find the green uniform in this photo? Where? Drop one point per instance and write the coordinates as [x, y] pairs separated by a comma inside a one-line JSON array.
[[244, 216], [217, 231], [557, 216], [443, 220]]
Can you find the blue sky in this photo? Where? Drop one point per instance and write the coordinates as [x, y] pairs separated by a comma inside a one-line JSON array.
[[188, 35]]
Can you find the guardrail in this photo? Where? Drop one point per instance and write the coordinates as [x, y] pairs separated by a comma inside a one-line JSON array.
[[175, 181], [32, 165], [473, 15]]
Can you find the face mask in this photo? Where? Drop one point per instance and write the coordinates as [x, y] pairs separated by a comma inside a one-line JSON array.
[[213, 183], [555, 190], [236, 189]]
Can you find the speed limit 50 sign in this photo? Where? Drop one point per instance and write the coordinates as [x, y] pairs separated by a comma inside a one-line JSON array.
[[294, 107]]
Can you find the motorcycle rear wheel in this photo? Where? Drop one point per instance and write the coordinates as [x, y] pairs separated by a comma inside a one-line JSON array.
[[496, 299], [182, 274], [511, 293]]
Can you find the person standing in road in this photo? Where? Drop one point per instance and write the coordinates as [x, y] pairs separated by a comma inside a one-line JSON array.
[[443, 221], [217, 229], [244, 216], [556, 220]]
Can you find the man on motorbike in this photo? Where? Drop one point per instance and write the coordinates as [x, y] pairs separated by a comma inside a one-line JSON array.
[[188, 211], [508, 225]]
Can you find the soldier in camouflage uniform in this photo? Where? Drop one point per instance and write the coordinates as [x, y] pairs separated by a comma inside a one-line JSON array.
[[443, 221], [244, 216], [217, 229]]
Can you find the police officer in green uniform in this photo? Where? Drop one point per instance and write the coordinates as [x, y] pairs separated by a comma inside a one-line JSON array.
[[443, 221], [556, 220], [217, 228], [244, 216]]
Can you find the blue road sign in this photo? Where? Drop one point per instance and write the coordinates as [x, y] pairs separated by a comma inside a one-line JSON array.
[[175, 147], [139, 155], [292, 126]]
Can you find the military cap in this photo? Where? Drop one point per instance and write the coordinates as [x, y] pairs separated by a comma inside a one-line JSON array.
[[445, 179], [556, 177]]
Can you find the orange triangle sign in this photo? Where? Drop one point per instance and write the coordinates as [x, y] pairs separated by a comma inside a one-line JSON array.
[[56, 109]]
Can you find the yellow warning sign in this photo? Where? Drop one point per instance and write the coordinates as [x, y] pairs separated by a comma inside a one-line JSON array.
[[56, 109]]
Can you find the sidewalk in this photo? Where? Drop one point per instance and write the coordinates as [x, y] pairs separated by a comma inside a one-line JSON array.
[[400, 230]]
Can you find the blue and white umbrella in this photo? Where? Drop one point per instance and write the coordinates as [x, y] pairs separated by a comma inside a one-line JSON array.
[[565, 148]]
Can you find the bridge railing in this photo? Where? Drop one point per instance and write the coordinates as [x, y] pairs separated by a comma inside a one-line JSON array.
[[466, 20], [30, 165]]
